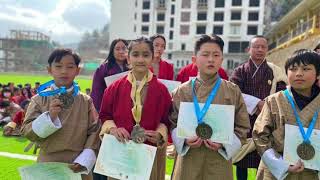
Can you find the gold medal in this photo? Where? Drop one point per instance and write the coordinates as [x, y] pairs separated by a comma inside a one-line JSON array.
[[67, 100], [204, 131], [305, 151], [138, 134]]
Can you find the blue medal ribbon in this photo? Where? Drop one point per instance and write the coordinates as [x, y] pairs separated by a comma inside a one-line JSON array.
[[305, 136], [61, 90], [213, 93]]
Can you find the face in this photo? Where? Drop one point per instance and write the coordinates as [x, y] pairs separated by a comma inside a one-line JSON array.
[[120, 51], [318, 51], [159, 46], [140, 57], [64, 72], [209, 58], [302, 77], [258, 49]]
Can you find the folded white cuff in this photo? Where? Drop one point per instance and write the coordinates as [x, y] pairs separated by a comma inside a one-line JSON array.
[[86, 158], [277, 166], [230, 150], [178, 142], [43, 126]]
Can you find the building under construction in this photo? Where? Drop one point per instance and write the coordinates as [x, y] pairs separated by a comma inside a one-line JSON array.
[[24, 51]]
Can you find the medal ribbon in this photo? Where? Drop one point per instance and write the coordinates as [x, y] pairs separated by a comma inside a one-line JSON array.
[[305, 135], [136, 94], [62, 90], [213, 93]]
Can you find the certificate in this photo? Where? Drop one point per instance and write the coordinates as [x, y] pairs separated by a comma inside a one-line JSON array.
[[110, 79], [219, 117], [48, 171], [291, 141], [171, 85], [130, 161]]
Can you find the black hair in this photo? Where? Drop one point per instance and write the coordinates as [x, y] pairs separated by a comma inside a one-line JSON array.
[[4, 104], [152, 38], [20, 86], [141, 40], [317, 47], [208, 39], [59, 53], [111, 60], [29, 94], [37, 83], [305, 57], [24, 103]]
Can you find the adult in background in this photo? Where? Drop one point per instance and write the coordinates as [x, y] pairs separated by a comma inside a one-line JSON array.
[[257, 79]]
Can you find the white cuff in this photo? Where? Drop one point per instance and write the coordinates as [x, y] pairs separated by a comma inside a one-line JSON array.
[[251, 103], [230, 150], [277, 166], [43, 126], [86, 158], [178, 142]]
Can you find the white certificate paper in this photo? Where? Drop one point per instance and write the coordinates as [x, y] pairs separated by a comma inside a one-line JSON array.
[[110, 79], [219, 117], [291, 141], [171, 85], [129, 161]]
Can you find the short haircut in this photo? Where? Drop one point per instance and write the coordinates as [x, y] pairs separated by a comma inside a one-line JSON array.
[[141, 40], [208, 39], [58, 54], [317, 47], [257, 36], [305, 57], [152, 38]]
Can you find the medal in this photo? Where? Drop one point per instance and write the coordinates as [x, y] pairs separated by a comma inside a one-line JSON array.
[[137, 134], [67, 100], [305, 151], [204, 131]]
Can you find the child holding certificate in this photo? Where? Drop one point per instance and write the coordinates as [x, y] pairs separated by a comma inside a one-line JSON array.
[[62, 119], [136, 106], [198, 156], [296, 107]]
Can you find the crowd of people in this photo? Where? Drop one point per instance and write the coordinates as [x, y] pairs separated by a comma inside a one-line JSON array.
[[69, 124]]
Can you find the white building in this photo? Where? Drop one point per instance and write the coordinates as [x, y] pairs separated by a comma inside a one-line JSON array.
[[182, 21]]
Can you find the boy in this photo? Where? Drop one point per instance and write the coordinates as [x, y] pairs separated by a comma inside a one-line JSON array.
[[204, 159], [66, 127], [302, 69]]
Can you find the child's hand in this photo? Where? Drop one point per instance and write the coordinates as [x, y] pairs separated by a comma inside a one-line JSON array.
[[298, 167], [75, 167], [212, 145], [120, 133], [194, 142], [153, 136], [7, 131], [54, 108]]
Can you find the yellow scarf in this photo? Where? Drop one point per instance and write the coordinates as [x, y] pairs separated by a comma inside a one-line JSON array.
[[136, 94]]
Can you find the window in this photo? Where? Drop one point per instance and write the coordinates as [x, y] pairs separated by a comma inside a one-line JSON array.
[[254, 3], [235, 29], [236, 15], [134, 28], [218, 30], [253, 16], [252, 30], [202, 16], [187, 62], [219, 3], [186, 4], [136, 3], [170, 45], [184, 30], [218, 16], [146, 5], [236, 2], [238, 47], [160, 29], [169, 56], [183, 47], [171, 35], [178, 63], [201, 29], [202, 3], [230, 64], [145, 17], [172, 9], [185, 16], [145, 29], [161, 3], [172, 22], [161, 17], [182, 63], [135, 16]]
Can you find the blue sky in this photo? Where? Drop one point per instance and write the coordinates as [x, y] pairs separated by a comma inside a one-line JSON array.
[[64, 20]]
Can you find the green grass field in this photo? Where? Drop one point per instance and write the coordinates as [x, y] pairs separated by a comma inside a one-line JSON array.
[[9, 166]]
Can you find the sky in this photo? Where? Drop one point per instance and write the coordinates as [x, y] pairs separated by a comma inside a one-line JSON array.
[[64, 21]]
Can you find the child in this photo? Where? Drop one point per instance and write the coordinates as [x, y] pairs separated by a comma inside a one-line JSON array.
[[204, 159], [66, 126], [138, 93], [302, 69]]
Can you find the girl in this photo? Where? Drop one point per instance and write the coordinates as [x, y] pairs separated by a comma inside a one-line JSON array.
[[138, 93]]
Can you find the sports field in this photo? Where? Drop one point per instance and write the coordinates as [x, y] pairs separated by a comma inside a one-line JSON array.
[[9, 166]]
